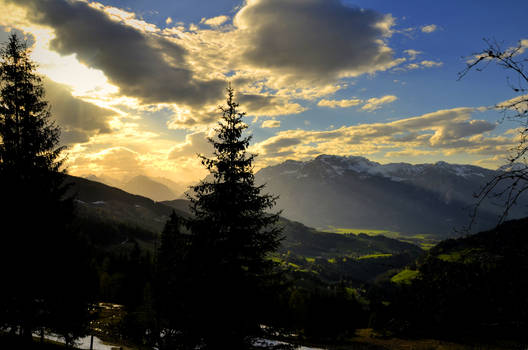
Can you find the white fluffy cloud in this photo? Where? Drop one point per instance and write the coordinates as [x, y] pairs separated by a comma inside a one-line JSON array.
[[429, 28], [339, 103], [443, 132], [215, 21], [270, 123], [375, 103]]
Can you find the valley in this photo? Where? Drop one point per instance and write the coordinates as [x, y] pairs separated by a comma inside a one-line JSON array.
[[381, 269]]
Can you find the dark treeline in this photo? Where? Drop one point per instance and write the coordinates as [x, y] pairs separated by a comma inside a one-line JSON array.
[[47, 278]]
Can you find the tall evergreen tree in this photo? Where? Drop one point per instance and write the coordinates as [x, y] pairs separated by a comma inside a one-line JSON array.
[[171, 283], [233, 234], [45, 264]]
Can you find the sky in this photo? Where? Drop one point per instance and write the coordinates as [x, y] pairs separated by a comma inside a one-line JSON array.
[[135, 85]]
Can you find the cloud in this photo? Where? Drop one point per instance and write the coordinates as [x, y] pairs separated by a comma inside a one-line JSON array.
[[267, 105], [454, 132], [287, 51], [279, 146], [376, 102], [79, 120], [215, 21], [518, 104], [254, 104], [429, 28], [339, 103], [430, 64], [444, 132], [195, 143], [114, 162], [270, 123], [424, 64], [314, 39], [140, 62], [186, 118], [412, 53]]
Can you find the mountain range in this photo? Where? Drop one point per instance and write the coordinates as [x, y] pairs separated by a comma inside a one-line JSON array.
[[354, 192], [334, 192], [156, 188]]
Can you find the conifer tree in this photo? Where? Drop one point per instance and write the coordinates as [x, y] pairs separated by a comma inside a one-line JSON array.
[[171, 281], [233, 235], [44, 259]]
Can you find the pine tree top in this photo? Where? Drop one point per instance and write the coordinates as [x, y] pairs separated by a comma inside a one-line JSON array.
[[28, 137], [231, 214]]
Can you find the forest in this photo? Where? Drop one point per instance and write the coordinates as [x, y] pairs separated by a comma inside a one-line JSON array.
[[225, 270]]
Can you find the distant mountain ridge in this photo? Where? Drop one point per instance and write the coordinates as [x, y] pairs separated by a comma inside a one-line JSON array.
[[155, 188], [358, 193], [147, 187]]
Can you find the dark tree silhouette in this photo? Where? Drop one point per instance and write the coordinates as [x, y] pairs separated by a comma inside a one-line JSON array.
[[233, 234], [513, 181], [45, 262], [171, 283]]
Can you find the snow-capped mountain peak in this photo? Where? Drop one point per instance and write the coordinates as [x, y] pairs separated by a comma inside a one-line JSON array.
[[335, 166]]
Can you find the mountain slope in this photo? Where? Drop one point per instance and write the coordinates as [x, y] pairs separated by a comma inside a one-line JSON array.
[[105, 210], [104, 202], [473, 285], [147, 187], [357, 193]]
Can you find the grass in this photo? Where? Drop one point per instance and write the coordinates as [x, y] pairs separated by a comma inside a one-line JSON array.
[[370, 339], [276, 259], [375, 256], [451, 257], [404, 276], [424, 240], [462, 256], [356, 231]]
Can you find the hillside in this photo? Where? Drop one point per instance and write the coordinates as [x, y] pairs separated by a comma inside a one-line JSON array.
[[98, 200], [111, 216], [353, 192], [468, 286]]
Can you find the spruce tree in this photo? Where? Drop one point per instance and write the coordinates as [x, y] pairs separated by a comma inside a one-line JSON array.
[[170, 284], [233, 235], [45, 263]]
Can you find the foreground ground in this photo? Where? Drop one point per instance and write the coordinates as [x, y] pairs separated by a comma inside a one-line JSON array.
[[365, 339]]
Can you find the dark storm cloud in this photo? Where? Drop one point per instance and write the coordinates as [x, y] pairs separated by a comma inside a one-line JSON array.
[[78, 119], [314, 38], [142, 65]]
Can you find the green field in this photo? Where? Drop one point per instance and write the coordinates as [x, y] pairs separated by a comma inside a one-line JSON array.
[[356, 231], [461, 256], [425, 241], [405, 276], [375, 256]]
